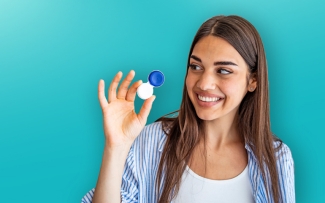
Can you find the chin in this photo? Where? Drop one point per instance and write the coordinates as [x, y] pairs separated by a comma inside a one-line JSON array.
[[206, 116]]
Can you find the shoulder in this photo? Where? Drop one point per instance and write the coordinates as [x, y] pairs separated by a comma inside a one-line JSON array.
[[285, 168], [282, 152], [152, 137], [283, 156], [154, 129], [285, 171]]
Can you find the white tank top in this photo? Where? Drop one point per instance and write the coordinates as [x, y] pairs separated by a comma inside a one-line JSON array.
[[196, 189]]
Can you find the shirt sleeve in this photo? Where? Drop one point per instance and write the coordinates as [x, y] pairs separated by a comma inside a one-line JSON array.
[[88, 197], [129, 187], [286, 174]]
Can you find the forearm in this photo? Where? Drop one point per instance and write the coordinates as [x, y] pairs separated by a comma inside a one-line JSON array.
[[110, 177]]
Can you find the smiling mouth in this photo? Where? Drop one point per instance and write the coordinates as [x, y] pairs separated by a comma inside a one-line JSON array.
[[208, 99]]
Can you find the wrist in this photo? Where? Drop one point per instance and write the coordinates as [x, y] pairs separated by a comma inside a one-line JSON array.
[[117, 151]]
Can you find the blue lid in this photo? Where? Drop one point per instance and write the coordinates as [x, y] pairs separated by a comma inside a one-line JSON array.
[[156, 78]]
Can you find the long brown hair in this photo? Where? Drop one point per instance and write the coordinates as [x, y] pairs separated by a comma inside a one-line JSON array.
[[184, 130]]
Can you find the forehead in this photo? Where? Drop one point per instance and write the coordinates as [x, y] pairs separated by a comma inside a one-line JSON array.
[[211, 49]]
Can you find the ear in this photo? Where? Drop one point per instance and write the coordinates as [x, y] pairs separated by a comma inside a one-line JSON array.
[[252, 83]]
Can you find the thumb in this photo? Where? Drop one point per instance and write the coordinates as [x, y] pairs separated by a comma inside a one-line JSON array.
[[145, 109]]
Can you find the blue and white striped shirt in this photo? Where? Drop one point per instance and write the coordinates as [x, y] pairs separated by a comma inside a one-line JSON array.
[[140, 171]]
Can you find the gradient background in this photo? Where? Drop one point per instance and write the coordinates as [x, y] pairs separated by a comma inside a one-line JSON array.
[[53, 53]]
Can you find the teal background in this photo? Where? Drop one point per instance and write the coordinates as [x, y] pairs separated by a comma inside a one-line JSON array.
[[53, 53]]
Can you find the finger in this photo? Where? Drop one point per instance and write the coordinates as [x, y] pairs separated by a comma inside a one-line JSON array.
[[145, 110], [123, 89], [101, 95], [113, 86], [130, 96]]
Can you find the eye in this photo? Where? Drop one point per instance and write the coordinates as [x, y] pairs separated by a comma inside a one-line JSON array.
[[195, 67], [224, 71]]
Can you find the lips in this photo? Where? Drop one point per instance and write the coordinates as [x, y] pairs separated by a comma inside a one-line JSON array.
[[207, 100]]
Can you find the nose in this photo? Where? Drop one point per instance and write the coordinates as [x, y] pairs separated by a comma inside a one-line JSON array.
[[207, 81]]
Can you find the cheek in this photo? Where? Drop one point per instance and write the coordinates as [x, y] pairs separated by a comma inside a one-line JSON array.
[[234, 88], [189, 81]]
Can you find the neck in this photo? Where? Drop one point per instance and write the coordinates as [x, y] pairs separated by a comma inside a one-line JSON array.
[[222, 132]]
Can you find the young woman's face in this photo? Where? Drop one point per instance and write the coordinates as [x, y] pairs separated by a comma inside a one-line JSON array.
[[217, 78]]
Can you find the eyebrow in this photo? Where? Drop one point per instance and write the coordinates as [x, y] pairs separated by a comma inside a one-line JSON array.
[[225, 63]]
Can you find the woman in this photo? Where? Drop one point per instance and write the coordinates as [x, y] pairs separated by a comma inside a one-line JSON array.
[[218, 148]]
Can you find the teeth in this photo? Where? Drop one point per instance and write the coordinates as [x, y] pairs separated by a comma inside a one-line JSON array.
[[208, 99]]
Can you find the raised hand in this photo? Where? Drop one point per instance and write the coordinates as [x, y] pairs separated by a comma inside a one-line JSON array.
[[121, 123]]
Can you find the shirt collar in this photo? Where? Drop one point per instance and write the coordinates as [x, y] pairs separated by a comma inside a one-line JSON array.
[[249, 150], [247, 147], [162, 143], [163, 140]]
